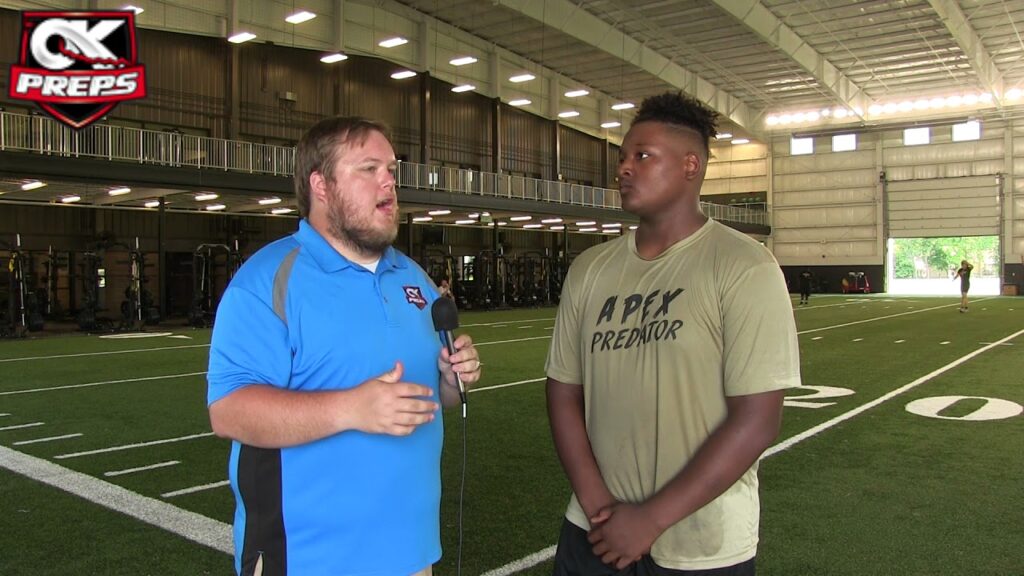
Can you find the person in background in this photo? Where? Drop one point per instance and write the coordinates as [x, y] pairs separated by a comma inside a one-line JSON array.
[[672, 350], [806, 276], [964, 274], [326, 373]]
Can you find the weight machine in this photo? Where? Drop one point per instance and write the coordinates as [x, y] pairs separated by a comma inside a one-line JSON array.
[[213, 266]]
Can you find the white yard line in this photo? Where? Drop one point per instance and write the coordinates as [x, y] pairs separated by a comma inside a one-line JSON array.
[[509, 322], [184, 491], [47, 439], [20, 426], [549, 552], [130, 446], [496, 386], [866, 320], [194, 527], [89, 384], [102, 353], [141, 468], [479, 344]]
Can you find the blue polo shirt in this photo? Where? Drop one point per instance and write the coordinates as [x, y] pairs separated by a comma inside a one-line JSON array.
[[353, 503]]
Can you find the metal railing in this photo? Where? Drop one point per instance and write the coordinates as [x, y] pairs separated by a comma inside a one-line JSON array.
[[42, 135]]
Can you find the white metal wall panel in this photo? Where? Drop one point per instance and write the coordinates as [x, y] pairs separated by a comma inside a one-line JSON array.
[[966, 206], [737, 169]]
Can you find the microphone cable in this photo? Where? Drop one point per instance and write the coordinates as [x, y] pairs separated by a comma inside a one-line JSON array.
[[462, 482]]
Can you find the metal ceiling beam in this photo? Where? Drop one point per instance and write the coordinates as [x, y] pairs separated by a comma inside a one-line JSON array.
[[768, 27], [981, 61], [584, 26]]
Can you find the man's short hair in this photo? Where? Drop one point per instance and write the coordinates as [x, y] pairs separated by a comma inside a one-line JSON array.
[[678, 109], [319, 147]]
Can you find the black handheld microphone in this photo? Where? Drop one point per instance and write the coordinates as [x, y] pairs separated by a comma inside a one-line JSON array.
[[446, 319]]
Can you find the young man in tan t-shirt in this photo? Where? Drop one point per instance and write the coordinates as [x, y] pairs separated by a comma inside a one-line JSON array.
[[672, 350]]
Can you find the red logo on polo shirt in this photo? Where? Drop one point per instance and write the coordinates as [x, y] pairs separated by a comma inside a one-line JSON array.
[[413, 295]]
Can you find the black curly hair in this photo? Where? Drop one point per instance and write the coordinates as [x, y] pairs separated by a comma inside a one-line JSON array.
[[678, 109]]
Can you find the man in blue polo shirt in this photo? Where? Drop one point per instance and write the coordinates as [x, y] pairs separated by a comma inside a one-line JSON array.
[[326, 372]]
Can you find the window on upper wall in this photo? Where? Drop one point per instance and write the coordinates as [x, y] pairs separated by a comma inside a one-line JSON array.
[[967, 131], [917, 136], [798, 146], [844, 142]]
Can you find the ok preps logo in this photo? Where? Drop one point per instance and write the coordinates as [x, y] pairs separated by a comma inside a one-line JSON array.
[[77, 65]]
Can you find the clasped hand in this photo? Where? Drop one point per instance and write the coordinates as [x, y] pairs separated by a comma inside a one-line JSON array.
[[621, 534]]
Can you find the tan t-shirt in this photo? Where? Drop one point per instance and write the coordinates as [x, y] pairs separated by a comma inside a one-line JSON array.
[[658, 345]]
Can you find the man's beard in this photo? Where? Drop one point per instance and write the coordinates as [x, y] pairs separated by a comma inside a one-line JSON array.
[[356, 231]]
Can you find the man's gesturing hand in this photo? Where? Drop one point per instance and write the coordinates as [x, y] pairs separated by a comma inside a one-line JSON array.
[[386, 405]]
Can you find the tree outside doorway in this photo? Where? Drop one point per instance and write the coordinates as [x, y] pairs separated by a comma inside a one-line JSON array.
[[928, 265]]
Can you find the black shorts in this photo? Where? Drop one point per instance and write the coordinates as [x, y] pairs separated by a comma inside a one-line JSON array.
[[575, 557]]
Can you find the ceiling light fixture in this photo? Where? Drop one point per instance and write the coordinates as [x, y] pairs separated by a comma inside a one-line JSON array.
[[623, 106], [206, 196], [723, 136], [70, 199], [551, 221], [521, 78], [300, 17], [462, 61], [269, 201], [576, 93], [422, 218], [568, 114], [439, 212], [533, 225], [392, 42], [215, 207], [587, 230], [152, 204], [519, 102], [611, 124], [32, 185], [241, 37], [135, 9], [741, 141], [465, 221], [282, 210], [403, 74], [332, 58], [520, 218], [587, 223], [463, 88], [119, 191]]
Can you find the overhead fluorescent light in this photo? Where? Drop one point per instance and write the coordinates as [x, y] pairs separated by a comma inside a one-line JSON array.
[[551, 221], [557, 228], [332, 58], [241, 37], [502, 223], [723, 136], [439, 212], [282, 210], [392, 42], [214, 207], [205, 196], [269, 201], [32, 185], [519, 102], [403, 74], [612, 225], [611, 124], [521, 218], [152, 204], [587, 230], [462, 61], [521, 78], [533, 225], [119, 191], [568, 114], [741, 141], [300, 17], [623, 106], [576, 93], [422, 218], [135, 9], [465, 221], [633, 227], [587, 223], [611, 231], [70, 199], [463, 88]]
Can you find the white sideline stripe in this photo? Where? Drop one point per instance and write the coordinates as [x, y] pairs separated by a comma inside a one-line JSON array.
[[195, 527], [4, 414], [130, 446], [101, 383], [789, 442], [103, 353], [524, 563], [549, 552], [19, 426], [479, 344], [496, 386], [183, 491], [876, 319], [141, 468], [48, 439], [509, 322]]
